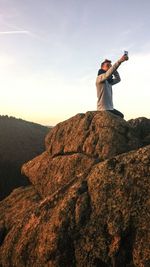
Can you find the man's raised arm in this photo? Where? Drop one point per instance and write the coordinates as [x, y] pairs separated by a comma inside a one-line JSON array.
[[104, 76]]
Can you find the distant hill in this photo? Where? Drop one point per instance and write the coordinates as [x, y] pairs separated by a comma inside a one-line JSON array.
[[20, 141]]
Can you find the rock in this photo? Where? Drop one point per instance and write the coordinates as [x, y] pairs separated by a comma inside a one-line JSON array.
[[120, 189], [49, 174], [73, 146], [99, 220], [97, 134], [142, 127], [88, 204], [23, 199]]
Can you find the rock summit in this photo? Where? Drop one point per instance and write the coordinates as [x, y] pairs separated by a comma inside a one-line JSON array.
[[88, 203]]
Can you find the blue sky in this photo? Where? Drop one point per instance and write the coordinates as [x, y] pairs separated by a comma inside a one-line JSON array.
[[50, 52]]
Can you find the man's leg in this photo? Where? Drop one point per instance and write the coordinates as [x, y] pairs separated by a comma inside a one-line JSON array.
[[117, 112]]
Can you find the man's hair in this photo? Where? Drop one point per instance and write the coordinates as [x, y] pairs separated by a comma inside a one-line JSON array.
[[105, 61]]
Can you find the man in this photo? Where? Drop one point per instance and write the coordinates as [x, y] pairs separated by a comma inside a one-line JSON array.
[[108, 76]]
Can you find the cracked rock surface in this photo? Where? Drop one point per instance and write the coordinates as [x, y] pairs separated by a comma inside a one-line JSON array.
[[88, 205], [75, 145], [97, 134]]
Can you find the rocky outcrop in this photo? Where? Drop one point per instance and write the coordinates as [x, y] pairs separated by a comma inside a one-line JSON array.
[[96, 134], [93, 209], [142, 128], [50, 174], [20, 141], [75, 145]]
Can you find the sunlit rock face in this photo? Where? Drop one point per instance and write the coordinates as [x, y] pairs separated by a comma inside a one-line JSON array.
[[75, 145], [88, 202]]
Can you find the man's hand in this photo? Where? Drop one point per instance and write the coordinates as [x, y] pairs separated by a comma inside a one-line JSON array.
[[123, 58]]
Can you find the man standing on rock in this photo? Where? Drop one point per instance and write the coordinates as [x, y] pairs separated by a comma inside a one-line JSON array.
[[108, 76]]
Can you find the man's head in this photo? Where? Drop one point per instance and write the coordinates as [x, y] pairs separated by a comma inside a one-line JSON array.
[[106, 64]]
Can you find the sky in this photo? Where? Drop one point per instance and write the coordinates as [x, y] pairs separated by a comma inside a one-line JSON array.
[[51, 50]]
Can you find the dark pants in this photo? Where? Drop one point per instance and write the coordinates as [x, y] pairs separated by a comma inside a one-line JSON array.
[[116, 112]]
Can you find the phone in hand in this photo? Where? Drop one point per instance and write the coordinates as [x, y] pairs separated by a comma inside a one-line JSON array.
[[126, 53]]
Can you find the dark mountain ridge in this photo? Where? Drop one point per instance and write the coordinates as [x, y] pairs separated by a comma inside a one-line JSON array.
[[20, 141]]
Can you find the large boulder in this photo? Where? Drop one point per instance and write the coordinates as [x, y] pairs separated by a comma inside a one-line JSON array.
[[97, 134], [101, 219], [49, 174], [73, 146]]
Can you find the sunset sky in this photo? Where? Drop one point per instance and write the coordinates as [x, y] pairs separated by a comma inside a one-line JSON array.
[[51, 50]]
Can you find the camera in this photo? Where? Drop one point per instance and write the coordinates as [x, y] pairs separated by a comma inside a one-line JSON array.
[[126, 53]]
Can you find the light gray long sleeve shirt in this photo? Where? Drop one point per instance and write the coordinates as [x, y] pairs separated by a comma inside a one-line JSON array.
[[104, 88]]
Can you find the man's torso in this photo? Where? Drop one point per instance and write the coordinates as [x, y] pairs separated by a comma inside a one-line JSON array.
[[104, 94]]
